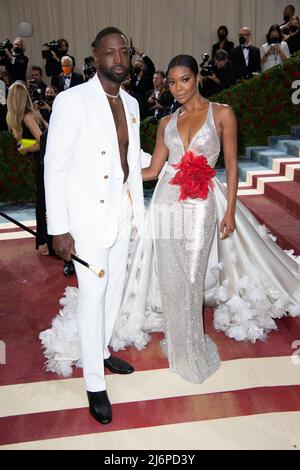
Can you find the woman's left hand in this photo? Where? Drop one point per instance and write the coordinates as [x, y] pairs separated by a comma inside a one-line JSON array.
[[227, 226]]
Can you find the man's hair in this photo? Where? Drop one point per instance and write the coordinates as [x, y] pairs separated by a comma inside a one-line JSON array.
[[221, 55], [104, 32], [61, 40], [68, 59], [37, 68], [160, 72]]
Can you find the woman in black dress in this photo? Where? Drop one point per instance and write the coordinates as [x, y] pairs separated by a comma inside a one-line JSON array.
[[25, 122]]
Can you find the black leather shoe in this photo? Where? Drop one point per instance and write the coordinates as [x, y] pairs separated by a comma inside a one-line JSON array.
[[100, 407], [69, 268], [118, 366]]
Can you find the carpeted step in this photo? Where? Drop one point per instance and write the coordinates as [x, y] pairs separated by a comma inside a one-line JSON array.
[[265, 157], [297, 176], [250, 165], [279, 142], [293, 148], [282, 224], [251, 149], [286, 194], [295, 132]]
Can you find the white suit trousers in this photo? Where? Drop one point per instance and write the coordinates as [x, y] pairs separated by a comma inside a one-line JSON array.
[[99, 300]]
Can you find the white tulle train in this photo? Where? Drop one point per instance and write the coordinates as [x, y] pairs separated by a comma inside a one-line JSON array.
[[250, 282]]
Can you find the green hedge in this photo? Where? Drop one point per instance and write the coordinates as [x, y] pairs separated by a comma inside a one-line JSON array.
[[263, 105], [16, 172]]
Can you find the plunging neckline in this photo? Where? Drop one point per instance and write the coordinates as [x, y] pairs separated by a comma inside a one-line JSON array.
[[197, 132]]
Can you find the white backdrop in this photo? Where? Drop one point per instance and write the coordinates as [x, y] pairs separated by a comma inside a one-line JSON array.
[[162, 28]]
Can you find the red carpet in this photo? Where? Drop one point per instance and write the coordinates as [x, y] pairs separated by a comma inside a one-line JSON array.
[[30, 288]]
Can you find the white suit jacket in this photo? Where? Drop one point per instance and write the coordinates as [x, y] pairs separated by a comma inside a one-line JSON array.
[[83, 173]]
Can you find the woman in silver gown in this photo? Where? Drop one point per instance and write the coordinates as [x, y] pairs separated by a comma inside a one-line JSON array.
[[249, 279], [184, 230]]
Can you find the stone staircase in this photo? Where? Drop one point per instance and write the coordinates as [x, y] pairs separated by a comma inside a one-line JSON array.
[[269, 185]]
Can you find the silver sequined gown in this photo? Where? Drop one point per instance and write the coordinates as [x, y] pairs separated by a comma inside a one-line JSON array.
[[183, 236]]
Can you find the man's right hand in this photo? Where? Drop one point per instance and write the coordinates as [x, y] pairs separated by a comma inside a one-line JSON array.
[[64, 246]]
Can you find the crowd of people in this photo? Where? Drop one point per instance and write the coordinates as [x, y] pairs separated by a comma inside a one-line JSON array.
[[228, 64]]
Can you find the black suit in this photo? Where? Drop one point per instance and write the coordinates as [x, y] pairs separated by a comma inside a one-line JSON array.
[[76, 79], [17, 70], [294, 43], [238, 60]]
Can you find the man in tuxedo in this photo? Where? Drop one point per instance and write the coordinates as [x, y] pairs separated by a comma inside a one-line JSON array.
[[94, 195], [68, 79], [245, 57]]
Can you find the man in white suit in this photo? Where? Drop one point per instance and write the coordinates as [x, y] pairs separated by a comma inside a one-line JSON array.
[[94, 195]]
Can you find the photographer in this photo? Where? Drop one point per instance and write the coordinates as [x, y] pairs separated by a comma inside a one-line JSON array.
[[53, 55], [45, 106], [89, 68], [217, 76], [14, 60], [36, 79], [142, 74], [275, 50], [158, 99]]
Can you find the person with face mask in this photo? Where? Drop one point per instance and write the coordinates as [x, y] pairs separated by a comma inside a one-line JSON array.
[[142, 75], [68, 79], [16, 62], [46, 108], [275, 50], [293, 38], [245, 57], [223, 43], [288, 13]]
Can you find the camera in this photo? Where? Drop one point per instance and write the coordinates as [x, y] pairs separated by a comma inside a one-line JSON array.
[[36, 94], [4, 45], [206, 70], [52, 46], [89, 68], [274, 41], [131, 49]]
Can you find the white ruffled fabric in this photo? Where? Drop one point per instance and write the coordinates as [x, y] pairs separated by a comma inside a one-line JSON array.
[[250, 281]]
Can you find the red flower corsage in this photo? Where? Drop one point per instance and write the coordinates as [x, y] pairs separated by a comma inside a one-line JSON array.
[[194, 176]]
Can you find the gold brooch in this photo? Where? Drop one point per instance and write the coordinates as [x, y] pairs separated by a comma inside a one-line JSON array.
[[133, 119]]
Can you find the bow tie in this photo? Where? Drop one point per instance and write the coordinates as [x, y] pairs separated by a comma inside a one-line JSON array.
[[246, 47], [67, 76]]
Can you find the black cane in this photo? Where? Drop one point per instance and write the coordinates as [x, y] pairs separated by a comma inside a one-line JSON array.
[[99, 272]]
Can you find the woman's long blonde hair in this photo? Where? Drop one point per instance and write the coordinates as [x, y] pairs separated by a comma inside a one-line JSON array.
[[18, 104]]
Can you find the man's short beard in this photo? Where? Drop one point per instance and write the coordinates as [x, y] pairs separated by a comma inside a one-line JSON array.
[[109, 74]]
